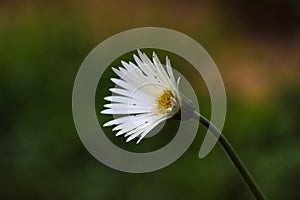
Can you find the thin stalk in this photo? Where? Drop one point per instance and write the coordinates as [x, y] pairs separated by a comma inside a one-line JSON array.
[[243, 171]]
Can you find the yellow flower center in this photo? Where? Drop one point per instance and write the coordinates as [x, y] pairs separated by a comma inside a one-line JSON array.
[[164, 101]]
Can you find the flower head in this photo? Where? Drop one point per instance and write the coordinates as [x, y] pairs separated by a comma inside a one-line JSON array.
[[146, 95]]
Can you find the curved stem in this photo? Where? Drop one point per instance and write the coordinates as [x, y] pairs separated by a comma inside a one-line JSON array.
[[246, 176]]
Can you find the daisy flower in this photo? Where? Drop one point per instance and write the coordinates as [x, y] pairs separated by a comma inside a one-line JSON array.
[[145, 95]]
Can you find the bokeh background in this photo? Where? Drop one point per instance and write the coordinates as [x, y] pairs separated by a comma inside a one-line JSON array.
[[255, 44]]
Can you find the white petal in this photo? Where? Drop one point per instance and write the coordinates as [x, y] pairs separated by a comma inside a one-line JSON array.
[[126, 65], [116, 121], [160, 71], [138, 60], [134, 124], [124, 119], [170, 71], [123, 84], [137, 80], [126, 109], [147, 67], [132, 94], [149, 129], [129, 100], [145, 128]]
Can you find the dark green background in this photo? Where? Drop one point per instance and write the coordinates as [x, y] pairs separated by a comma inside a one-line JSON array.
[[255, 44]]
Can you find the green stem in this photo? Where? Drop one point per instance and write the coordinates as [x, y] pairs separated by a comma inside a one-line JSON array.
[[246, 176]]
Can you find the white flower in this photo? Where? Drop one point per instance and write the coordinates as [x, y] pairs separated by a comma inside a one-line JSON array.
[[147, 94]]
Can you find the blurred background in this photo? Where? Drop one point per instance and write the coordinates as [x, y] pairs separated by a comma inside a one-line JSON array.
[[255, 44]]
